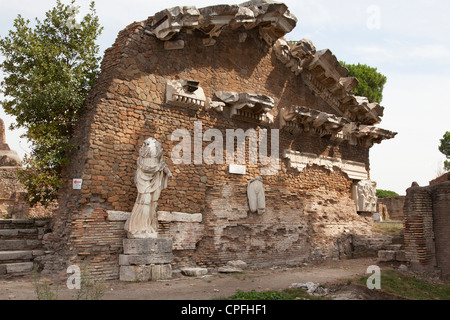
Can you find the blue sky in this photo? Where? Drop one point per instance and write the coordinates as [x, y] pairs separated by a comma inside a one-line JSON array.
[[408, 41]]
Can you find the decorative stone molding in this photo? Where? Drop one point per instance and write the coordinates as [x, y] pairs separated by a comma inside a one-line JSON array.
[[299, 161], [246, 106], [273, 20], [364, 194], [298, 120], [167, 23], [368, 135], [183, 93], [323, 74], [306, 120], [163, 216]]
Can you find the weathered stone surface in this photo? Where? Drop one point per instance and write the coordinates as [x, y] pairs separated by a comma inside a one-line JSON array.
[[165, 216], [256, 105], [146, 246], [24, 267], [194, 272], [146, 272], [15, 255], [365, 197], [273, 20], [154, 258], [152, 175], [118, 215], [300, 161], [256, 196], [178, 94], [229, 269], [237, 264], [387, 255]]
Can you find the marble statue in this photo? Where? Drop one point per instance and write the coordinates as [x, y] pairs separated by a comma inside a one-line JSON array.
[[151, 178], [364, 194], [256, 196]]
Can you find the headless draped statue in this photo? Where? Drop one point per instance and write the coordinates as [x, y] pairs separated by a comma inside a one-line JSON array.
[[151, 178]]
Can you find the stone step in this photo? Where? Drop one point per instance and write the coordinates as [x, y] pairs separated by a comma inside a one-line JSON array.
[[394, 247], [16, 223], [18, 245], [16, 268], [6, 256], [392, 256], [17, 234]]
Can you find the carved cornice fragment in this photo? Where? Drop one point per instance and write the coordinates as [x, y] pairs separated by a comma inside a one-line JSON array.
[[245, 105], [272, 19]]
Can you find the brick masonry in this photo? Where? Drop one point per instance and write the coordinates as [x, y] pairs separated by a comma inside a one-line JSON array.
[[427, 228], [306, 215]]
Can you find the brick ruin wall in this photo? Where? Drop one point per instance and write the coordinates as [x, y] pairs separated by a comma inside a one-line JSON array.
[[427, 228], [309, 215]]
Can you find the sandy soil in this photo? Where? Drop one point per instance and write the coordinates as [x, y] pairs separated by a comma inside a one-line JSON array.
[[214, 286]]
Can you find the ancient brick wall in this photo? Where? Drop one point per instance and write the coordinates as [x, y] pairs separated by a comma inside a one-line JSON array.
[[427, 227], [419, 235], [444, 178], [306, 212], [441, 225]]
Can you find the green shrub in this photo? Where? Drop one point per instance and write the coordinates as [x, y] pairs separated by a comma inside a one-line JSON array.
[[386, 194]]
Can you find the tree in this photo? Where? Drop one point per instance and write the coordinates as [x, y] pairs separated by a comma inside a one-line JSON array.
[[445, 149], [49, 69], [371, 82], [386, 194]]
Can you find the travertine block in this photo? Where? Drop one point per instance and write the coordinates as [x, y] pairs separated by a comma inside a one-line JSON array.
[[146, 246], [146, 272]]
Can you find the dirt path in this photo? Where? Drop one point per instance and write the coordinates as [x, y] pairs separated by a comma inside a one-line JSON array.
[[210, 287]]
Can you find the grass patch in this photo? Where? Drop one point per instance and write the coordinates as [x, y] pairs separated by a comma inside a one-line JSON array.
[[287, 294], [390, 229], [409, 287]]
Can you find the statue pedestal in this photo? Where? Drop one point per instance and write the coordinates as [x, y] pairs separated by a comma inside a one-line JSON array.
[[146, 260]]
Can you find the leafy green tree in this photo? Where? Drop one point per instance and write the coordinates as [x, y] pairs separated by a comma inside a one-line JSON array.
[[371, 82], [386, 194], [445, 149], [49, 69]]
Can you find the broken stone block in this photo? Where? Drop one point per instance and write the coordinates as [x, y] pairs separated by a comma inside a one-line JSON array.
[[237, 264], [194, 272], [155, 258], [146, 246], [229, 269], [386, 255], [146, 272], [180, 94]]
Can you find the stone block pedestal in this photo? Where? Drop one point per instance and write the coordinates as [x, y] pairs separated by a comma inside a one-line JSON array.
[[146, 260]]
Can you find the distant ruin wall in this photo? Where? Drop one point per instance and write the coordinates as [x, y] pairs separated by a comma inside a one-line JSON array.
[[427, 228], [394, 207], [444, 178]]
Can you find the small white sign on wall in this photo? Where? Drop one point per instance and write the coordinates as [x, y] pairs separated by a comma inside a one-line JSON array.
[[77, 183], [237, 169]]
